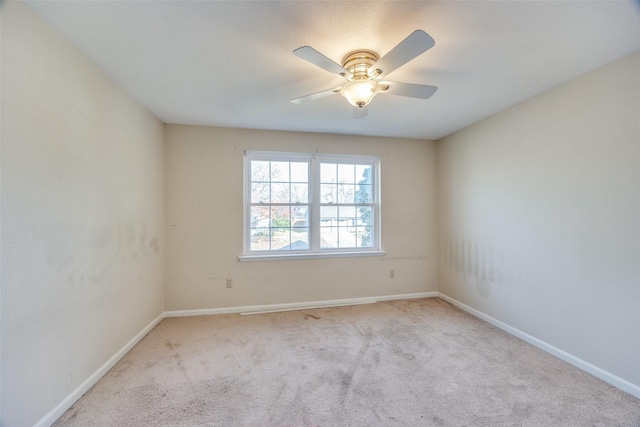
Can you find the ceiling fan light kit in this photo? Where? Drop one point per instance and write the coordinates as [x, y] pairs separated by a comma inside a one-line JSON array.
[[361, 88], [359, 92], [363, 68]]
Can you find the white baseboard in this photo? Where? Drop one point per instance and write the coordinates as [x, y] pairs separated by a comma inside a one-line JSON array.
[[269, 308], [606, 376], [76, 394], [432, 294], [274, 308]]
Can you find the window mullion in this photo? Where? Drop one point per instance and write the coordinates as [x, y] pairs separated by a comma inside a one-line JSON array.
[[314, 220]]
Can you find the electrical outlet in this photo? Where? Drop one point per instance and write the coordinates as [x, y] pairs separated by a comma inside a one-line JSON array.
[[392, 274], [229, 284]]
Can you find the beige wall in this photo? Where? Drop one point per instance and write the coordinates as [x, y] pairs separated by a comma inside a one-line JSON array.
[[204, 222], [82, 217], [539, 217]]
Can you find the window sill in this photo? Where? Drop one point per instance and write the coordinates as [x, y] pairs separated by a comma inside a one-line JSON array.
[[280, 256]]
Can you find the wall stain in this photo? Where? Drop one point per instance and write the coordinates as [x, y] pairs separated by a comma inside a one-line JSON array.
[[110, 246], [474, 261]]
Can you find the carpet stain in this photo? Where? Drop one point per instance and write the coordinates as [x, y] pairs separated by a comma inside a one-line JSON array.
[[172, 345], [258, 353], [347, 377], [311, 316]]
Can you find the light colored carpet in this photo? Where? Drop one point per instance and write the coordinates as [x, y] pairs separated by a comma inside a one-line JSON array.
[[399, 363]]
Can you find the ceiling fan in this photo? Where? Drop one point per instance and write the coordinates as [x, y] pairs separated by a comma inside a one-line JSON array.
[[364, 70]]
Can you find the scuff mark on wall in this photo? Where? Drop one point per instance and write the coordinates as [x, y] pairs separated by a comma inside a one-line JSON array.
[[153, 245]]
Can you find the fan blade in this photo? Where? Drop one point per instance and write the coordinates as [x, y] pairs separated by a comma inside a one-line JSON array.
[[316, 58], [315, 96], [408, 89], [418, 42], [359, 113]]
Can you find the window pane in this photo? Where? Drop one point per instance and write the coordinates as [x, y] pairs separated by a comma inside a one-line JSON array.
[[259, 216], [328, 237], [363, 174], [300, 216], [259, 170], [260, 192], [346, 193], [260, 238], [299, 238], [363, 194], [328, 172], [365, 237], [299, 172], [346, 237], [365, 216], [348, 215], [327, 214], [280, 193], [280, 171], [299, 193], [346, 174], [328, 193], [280, 239], [280, 217]]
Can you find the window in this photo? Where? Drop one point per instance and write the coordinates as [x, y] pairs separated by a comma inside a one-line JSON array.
[[300, 205]]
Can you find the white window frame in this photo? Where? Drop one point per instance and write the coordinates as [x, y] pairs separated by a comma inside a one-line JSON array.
[[314, 251]]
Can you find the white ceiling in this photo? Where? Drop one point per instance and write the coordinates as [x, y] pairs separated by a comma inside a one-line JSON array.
[[229, 63]]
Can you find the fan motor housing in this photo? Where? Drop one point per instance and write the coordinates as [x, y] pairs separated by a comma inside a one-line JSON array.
[[358, 63]]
